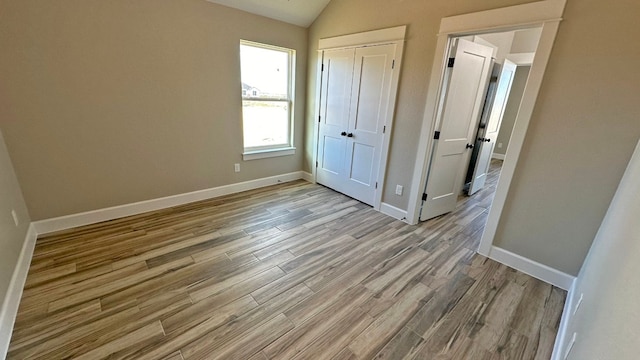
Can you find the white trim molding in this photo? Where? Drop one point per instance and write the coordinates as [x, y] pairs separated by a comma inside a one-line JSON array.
[[11, 301], [115, 212], [263, 154], [369, 37], [308, 177], [565, 320], [530, 267], [393, 211], [517, 16]]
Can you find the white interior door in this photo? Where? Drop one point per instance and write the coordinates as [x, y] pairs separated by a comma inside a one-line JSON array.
[[462, 107], [352, 123], [369, 103], [335, 100], [488, 141]]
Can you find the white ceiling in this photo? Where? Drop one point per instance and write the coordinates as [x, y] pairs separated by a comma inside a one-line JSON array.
[[297, 12]]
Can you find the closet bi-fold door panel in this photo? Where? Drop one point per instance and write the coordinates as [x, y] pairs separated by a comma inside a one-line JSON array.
[[335, 99], [358, 142]]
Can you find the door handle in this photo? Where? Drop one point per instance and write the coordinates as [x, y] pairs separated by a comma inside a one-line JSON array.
[[350, 135], [469, 146], [344, 133], [484, 139], [487, 140]]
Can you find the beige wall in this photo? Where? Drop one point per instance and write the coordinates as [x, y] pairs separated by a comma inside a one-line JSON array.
[[606, 321], [11, 236], [511, 110], [581, 135], [111, 102]]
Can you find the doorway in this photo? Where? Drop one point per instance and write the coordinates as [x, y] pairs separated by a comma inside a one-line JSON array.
[[544, 14], [477, 90]]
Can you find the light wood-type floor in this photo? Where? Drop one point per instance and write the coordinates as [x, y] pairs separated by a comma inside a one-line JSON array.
[[293, 271]]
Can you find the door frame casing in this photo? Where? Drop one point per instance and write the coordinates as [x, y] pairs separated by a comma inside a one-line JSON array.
[[394, 35], [547, 14]]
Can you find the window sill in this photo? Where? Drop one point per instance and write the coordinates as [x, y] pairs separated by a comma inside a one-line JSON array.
[[262, 154]]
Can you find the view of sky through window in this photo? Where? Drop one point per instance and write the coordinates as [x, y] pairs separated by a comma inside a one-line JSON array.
[[266, 70], [266, 105]]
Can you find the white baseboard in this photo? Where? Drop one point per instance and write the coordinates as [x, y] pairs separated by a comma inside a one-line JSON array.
[[307, 176], [393, 211], [497, 156], [533, 268], [11, 301], [562, 335], [115, 212]]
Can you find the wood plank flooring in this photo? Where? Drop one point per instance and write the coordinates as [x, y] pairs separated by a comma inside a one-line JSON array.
[[293, 271]]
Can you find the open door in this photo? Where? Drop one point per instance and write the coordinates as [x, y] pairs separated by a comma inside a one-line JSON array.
[[462, 107], [487, 138]]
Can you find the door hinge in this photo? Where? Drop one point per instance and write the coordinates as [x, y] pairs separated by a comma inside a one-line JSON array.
[[451, 61], [424, 197], [321, 67], [436, 135], [393, 64], [316, 164], [384, 129], [319, 117], [376, 184]]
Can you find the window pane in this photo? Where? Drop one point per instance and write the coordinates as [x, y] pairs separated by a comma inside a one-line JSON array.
[[265, 72], [265, 123]]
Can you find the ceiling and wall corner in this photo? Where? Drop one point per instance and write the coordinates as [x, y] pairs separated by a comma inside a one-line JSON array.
[[509, 42], [500, 41], [526, 40], [297, 12]]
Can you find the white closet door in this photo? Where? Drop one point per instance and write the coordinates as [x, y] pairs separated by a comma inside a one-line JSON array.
[[335, 100], [369, 103], [358, 138]]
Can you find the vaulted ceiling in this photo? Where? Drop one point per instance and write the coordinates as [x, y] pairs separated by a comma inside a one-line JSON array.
[[297, 12]]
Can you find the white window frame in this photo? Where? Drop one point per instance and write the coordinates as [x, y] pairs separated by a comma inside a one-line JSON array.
[[260, 152]]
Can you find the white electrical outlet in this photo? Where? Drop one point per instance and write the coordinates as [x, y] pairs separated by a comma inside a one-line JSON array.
[[499, 145], [15, 217], [236, 167], [399, 189]]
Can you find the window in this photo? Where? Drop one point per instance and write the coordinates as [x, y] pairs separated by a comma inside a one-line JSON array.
[[267, 99]]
